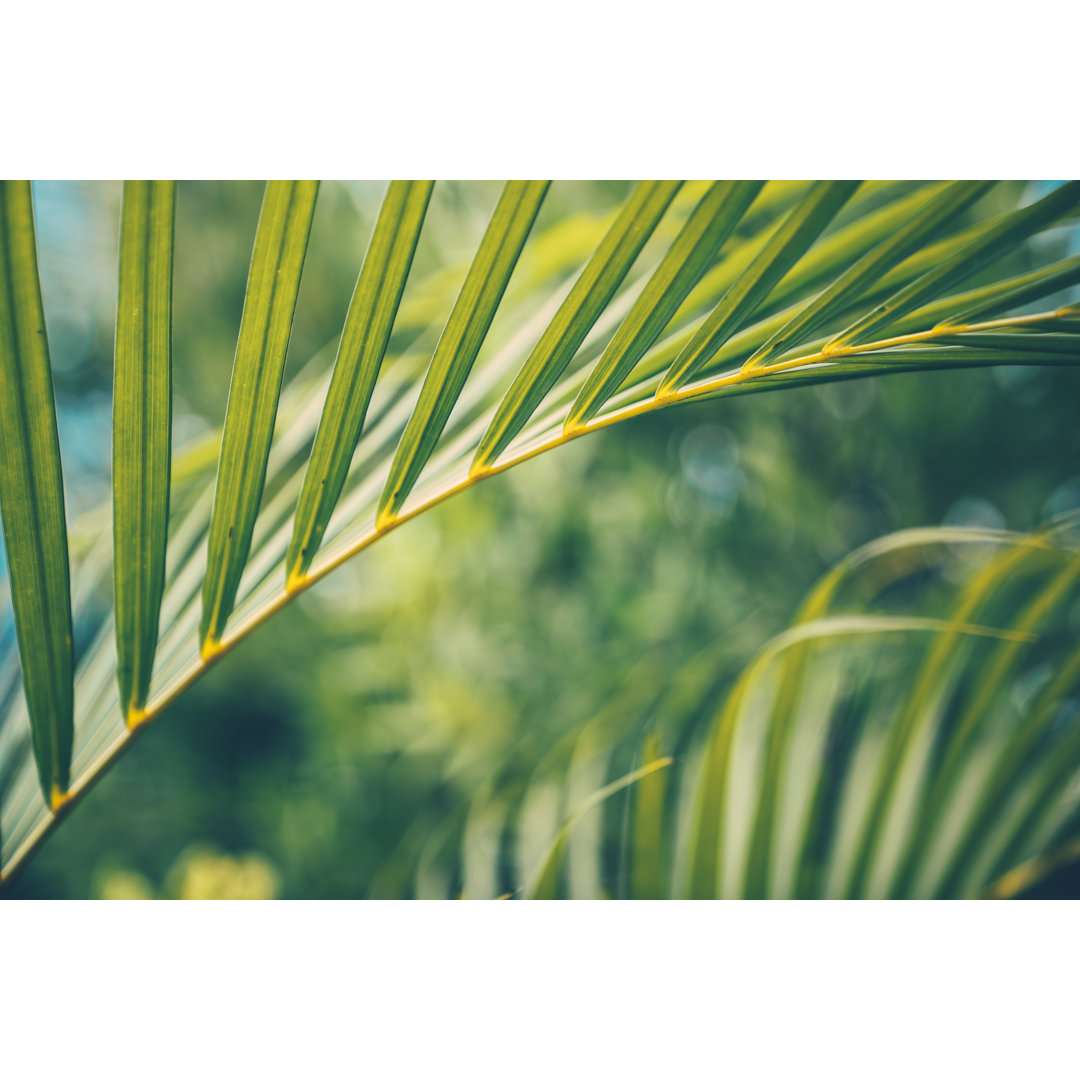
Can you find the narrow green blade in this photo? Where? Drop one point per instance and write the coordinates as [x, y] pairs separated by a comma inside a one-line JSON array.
[[803, 225], [142, 430], [462, 337], [368, 324], [714, 218], [994, 242], [943, 208], [32, 497], [273, 282], [592, 291], [648, 866]]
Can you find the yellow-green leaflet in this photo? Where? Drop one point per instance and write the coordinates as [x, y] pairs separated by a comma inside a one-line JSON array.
[[943, 208], [1008, 232], [590, 295], [32, 497], [720, 209], [273, 282], [462, 337], [142, 430], [803, 225], [368, 324]]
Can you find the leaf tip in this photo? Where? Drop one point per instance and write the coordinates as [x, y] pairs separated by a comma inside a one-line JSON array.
[[58, 798]]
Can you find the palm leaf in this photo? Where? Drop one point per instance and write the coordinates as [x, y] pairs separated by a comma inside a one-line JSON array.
[[32, 497], [142, 431]]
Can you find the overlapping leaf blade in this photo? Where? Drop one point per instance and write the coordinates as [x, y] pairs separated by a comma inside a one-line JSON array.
[[462, 337], [982, 250], [590, 295], [945, 206], [265, 328], [803, 225], [719, 211], [368, 324]]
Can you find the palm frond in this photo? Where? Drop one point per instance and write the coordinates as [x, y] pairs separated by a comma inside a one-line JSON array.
[[774, 792], [681, 294]]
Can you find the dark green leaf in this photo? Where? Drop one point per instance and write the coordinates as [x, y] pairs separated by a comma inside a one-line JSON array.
[[942, 209], [142, 430], [32, 497]]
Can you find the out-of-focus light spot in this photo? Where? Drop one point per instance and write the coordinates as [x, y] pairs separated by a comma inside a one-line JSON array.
[[974, 513], [1026, 384], [709, 458], [848, 400], [970, 512], [1028, 685], [1064, 499]]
